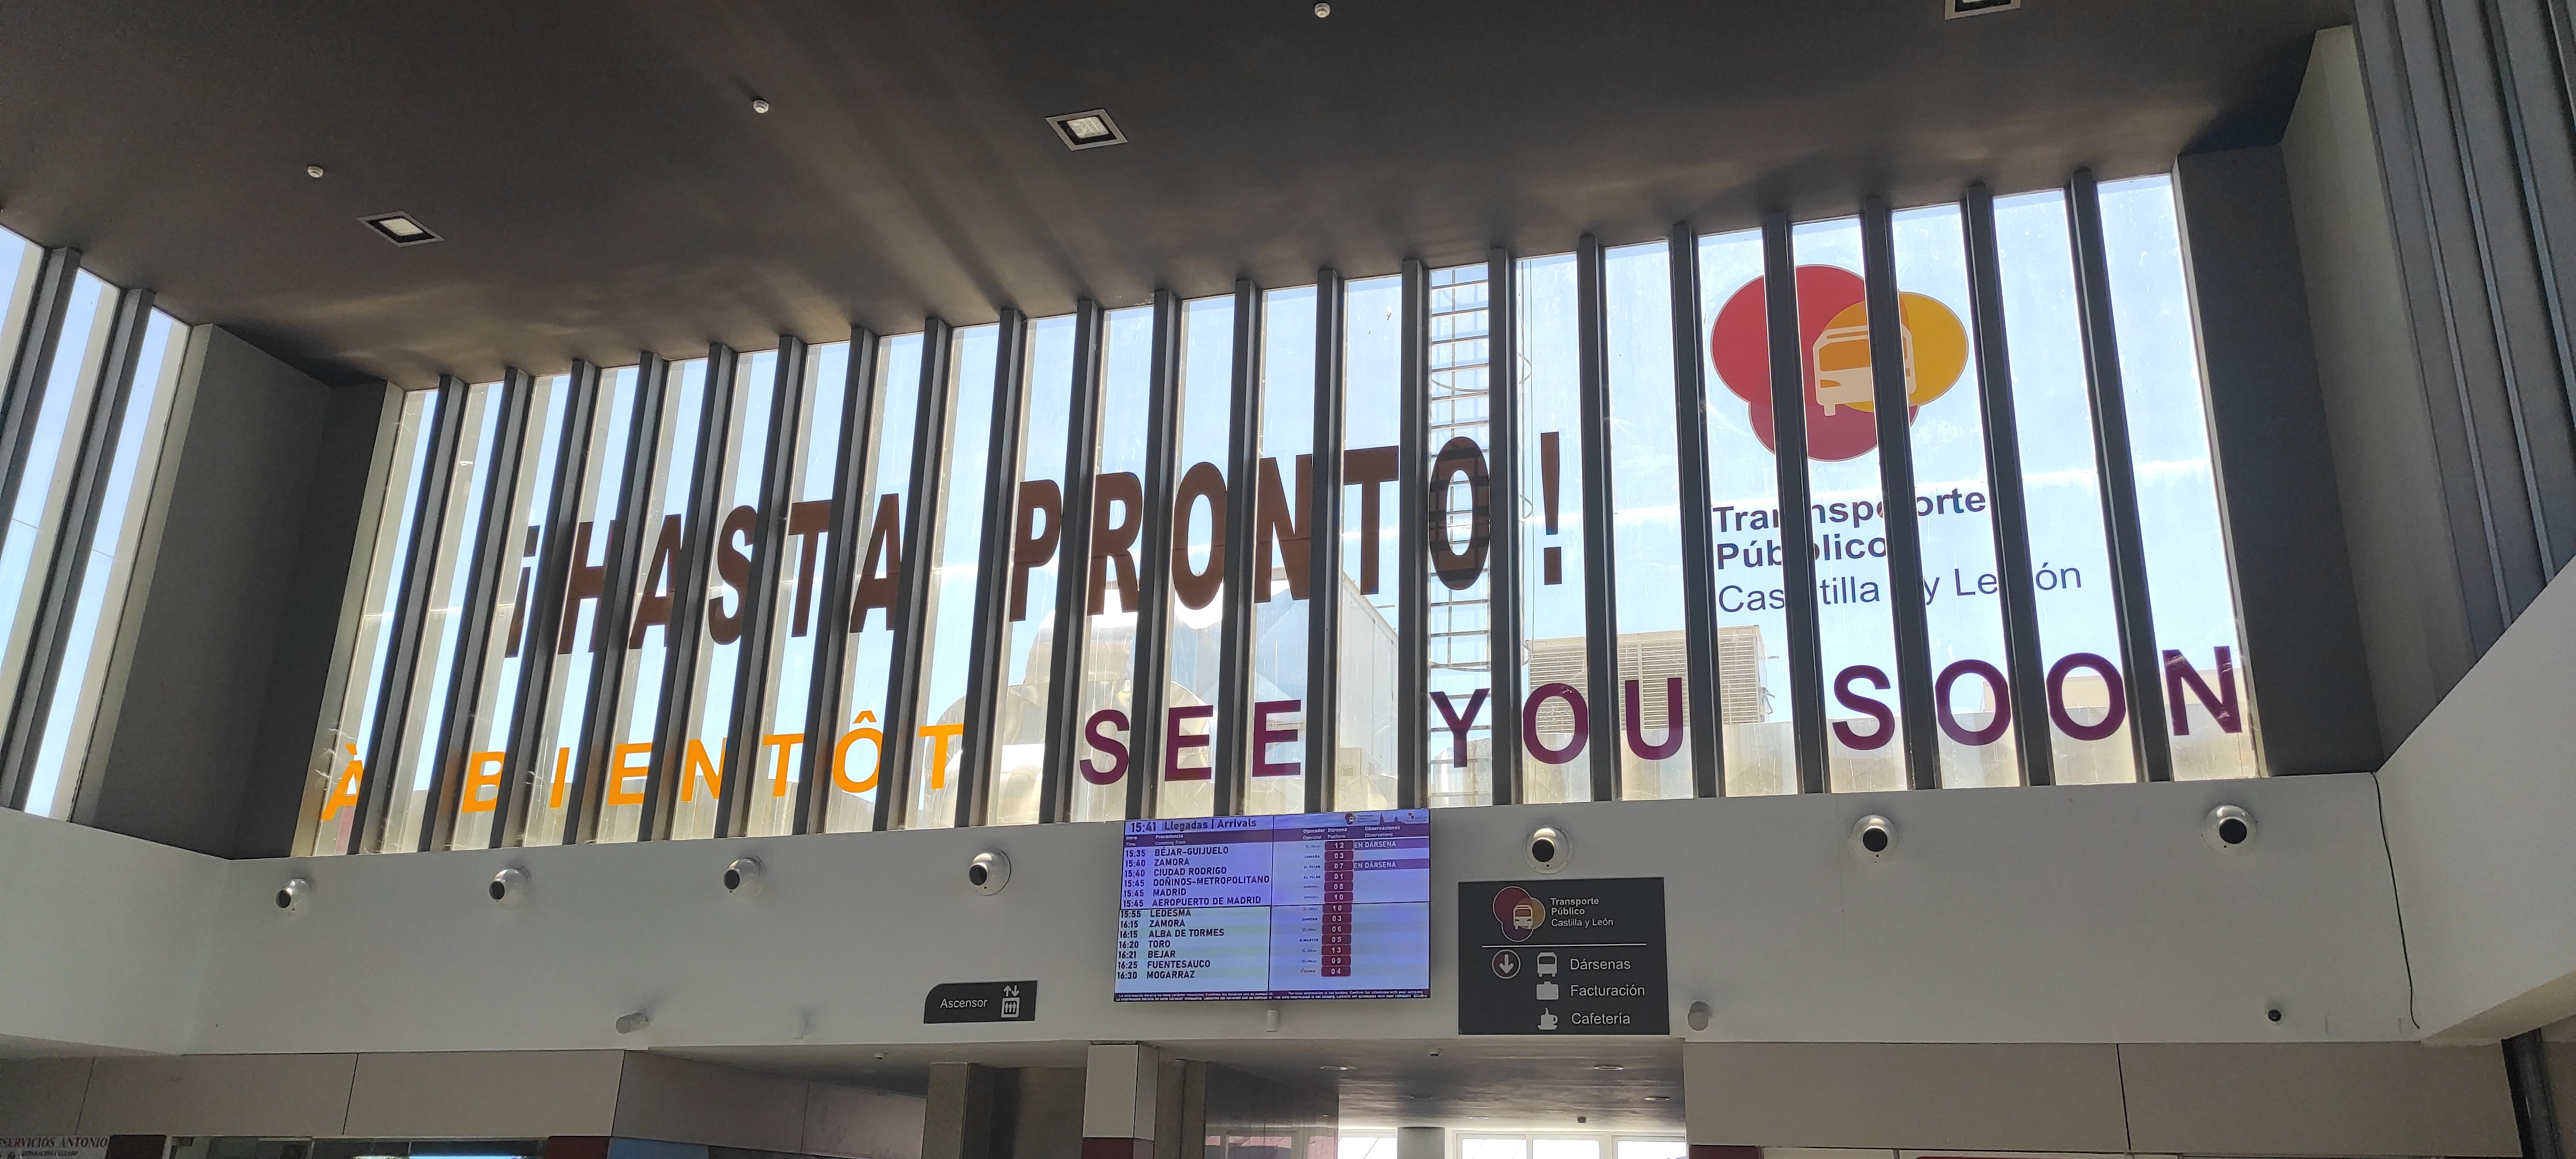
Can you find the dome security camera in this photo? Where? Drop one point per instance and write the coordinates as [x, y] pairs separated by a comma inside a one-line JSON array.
[[2228, 829], [742, 878], [1873, 837], [290, 896], [989, 872], [508, 886], [1549, 849]]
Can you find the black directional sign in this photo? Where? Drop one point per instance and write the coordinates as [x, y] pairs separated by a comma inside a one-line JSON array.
[[981, 1002], [1562, 957]]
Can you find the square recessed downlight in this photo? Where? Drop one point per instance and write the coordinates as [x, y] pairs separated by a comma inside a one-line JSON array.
[[400, 228], [1087, 130], [1954, 9]]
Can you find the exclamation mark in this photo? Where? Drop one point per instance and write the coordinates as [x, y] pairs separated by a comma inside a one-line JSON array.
[[1551, 565]]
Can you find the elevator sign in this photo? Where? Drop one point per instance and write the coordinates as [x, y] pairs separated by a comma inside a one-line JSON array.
[[1562, 957]]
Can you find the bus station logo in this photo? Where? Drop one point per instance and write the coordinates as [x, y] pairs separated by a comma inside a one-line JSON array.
[[1834, 356]]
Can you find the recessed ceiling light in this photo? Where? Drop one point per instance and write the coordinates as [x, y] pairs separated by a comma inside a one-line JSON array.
[[1659, 1098], [1330, 1066], [1607, 1066], [759, 105], [1954, 9], [313, 171], [400, 228], [1087, 130]]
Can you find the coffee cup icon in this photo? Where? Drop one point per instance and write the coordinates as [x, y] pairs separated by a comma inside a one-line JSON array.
[[1547, 1020]]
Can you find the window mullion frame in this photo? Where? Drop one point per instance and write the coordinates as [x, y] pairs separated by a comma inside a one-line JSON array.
[[1797, 534], [1600, 570], [854, 461], [1242, 538], [782, 447], [491, 546], [1889, 413], [2011, 512], [1324, 544], [2117, 468], [687, 624], [1413, 548], [984, 662], [931, 416], [1503, 567], [616, 606], [1073, 566], [520, 768], [376, 786], [49, 633], [1703, 725]]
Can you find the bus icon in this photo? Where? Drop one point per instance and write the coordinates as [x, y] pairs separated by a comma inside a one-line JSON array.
[[1843, 366], [1547, 964]]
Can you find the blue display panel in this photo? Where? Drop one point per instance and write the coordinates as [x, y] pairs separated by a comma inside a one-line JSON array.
[[1318, 905]]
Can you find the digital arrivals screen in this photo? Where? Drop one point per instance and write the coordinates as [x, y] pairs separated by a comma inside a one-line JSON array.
[[1319, 905]]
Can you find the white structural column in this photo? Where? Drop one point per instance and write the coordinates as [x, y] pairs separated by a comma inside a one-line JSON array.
[[1119, 1085]]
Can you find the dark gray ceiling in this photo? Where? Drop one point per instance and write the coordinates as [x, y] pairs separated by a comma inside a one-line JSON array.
[[604, 184]]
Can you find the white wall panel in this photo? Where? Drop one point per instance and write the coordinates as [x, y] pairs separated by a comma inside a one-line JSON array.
[[495, 1094], [2480, 802], [218, 1094], [42, 1096], [101, 936], [1987, 1097], [2077, 914], [2317, 1099]]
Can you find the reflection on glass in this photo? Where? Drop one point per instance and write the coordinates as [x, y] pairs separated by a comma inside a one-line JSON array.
[[1028, 606], [1107, 701], [332, 799], [869, 654], [1964, 618], [1864, 745], [779, 759], [1557, 721], [1753, 703], [1460, 484], [948, 620], [1652, 716], [1283, 527], [505, 648], [2205, 686], [708, 704], [407, 812], [2079, 637], [69, 719], [550, 788], [1194, 653], [1364, 771]]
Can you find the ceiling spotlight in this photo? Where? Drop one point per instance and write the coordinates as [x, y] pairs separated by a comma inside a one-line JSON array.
[[1659, 1098], [1607, 1066], [758, 105], [1330, 1066], [400, 228], [1323, 10], [313, 171], [880, 1056], [1089, 130]]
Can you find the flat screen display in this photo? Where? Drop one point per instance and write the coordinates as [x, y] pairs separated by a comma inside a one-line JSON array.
[[1317, 905]]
